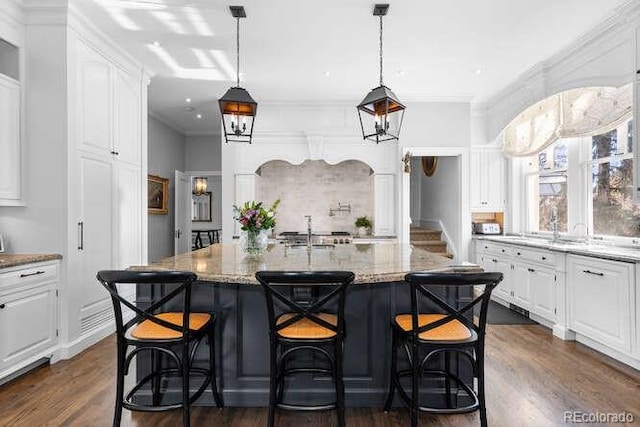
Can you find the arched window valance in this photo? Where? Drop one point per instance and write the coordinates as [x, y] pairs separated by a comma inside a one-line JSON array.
[[574, 113]]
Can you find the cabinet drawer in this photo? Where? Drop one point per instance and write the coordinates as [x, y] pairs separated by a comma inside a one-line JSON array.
[[494, 248], [531, 255], [26, 275]]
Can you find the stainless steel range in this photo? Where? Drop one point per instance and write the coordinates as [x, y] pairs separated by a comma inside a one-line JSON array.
[[333, 237]]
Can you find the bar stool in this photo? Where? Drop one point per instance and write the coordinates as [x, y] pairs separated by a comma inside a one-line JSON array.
[[308, 325], [448, 331], [176, 335]]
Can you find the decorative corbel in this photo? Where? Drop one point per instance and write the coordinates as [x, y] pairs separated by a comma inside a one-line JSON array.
[[406, 160]]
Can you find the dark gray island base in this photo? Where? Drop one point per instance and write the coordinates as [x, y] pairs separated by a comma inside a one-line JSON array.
[[242, 347]]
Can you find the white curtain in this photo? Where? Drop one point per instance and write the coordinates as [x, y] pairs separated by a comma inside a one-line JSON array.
[[578, 112]]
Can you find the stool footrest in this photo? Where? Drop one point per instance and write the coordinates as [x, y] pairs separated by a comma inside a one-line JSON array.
[[292, 407]]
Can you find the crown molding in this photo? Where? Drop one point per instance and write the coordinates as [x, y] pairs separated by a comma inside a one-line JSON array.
[[623, 19]]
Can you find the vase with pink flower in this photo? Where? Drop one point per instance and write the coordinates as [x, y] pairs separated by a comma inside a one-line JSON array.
[[255, 222]]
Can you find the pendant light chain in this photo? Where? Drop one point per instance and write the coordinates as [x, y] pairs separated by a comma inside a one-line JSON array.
[[381, 84], [238, 52]]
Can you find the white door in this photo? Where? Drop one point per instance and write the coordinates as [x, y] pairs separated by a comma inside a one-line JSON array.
[[182, 230]]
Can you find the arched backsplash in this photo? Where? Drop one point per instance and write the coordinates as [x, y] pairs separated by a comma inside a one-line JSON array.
[[313, 187]]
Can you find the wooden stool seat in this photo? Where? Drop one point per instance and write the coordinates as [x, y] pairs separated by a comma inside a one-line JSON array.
[[307, 328], [450, 331], [148, 330]]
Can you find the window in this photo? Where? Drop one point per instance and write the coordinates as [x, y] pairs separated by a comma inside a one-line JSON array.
[[589, 181], [611, 205], [547, 189]]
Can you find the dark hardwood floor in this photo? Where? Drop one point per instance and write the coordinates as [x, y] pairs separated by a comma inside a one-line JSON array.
[[532, 379]]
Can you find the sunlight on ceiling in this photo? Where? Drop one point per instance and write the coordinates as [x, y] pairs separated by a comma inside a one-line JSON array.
[[177, 70]]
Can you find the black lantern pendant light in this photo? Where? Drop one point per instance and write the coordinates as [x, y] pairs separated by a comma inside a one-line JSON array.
[[380, 111], [237, 107]]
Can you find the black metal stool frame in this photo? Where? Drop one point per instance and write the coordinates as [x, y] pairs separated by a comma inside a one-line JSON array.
[[472, 349], [183, 363], [337, 281]]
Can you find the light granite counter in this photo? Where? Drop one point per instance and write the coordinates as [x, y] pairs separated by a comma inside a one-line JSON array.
[[371, 263], [15, 260], [596, 250]]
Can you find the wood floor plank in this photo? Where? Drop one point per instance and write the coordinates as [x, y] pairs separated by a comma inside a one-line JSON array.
[[532, 379]]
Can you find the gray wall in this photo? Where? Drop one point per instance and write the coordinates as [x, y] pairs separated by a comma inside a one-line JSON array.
[[203, 153], [166, 152]]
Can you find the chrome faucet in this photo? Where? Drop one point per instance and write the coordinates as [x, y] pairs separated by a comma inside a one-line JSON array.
[[554, 222], [308, 229]]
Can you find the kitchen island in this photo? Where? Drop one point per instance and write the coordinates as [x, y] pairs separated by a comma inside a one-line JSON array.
[[227, 286]]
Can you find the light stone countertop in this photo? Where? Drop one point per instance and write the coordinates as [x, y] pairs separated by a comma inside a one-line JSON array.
[[371, 263], [14, 260], [596, 250]]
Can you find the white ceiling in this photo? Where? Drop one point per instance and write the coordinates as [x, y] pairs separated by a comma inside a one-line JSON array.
[[432, 50]]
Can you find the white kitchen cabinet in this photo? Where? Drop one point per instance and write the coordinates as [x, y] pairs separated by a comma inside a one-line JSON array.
[[600, 303], [542, 284], [530, 276], [108, 107], [384, 219], [28, 321], [106, 185], [521, 285], [488, 186], [10, 146]]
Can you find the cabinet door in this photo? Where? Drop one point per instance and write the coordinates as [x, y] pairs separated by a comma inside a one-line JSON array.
[[95, 239], [505, 288], [599, 300], [384, 221], [543, 292], [127, 118], [10, 162], [128, 216], [27, 324], [94, 101], [494, 167], [521, 285]]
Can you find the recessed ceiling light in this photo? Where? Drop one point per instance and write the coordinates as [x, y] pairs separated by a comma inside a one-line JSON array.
[[189, 108], [478, 71], [188, 100], [327, 73], [402, 72], [198, 116], [156, 43]]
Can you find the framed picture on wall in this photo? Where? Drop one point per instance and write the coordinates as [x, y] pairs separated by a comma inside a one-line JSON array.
[[158, 195]]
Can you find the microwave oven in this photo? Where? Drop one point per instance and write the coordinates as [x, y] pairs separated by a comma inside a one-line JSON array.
[[486, 228]]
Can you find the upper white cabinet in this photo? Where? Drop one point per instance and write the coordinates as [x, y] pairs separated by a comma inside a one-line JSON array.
[[600, 305], [108, 101], [10, 155], [488, 179]]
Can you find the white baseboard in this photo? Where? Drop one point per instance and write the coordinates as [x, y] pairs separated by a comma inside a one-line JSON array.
[[71, 349], [615, 354]]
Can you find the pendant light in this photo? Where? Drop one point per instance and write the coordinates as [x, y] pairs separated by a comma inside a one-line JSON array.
[[237, 107], [380, 111], [199, 185]]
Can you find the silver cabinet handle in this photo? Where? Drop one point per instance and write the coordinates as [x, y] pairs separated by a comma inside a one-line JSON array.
[[595, 273], [81, 236], [32, 274]]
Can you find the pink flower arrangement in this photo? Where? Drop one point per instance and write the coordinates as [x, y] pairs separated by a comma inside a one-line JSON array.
[[253, 216]]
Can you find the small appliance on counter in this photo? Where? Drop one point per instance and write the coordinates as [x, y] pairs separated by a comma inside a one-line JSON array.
[[486, 228]]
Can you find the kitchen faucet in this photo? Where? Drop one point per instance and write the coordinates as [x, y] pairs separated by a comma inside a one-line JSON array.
[[308, 229], [554, 222]]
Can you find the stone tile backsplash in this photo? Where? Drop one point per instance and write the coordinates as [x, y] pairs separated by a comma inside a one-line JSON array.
[[313, 187]]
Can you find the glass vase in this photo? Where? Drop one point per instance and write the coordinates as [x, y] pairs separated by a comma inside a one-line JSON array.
[[254, 242]]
